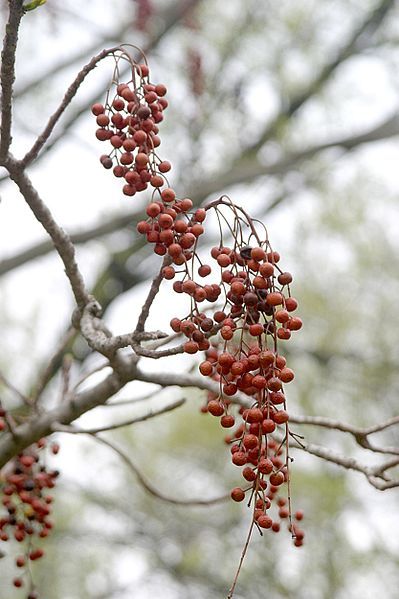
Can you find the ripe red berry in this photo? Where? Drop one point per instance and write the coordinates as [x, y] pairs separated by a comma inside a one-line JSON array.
[[215, 408], [285, 278], [249, 474], [153, 209], [274, 298], [227, 421], [191, 347], [283, 333], [258, 254], [276, 479], [164, 166], [256, 329], [286, 375], [237, 494], [97, 109], [206, 368], [250, 441], [291, 304], [168, 195], [156, 181], [280, 417], [254, 415], [265, 521], [239, 458], [294, 324], [160, 89], [266, 269], [265, 466], [223, 260]]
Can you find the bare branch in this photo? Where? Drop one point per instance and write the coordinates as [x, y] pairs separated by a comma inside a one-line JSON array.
[[102, 340], [375, 474], [156, 354], [41, 425], [42, 248], [110, 427], [153, 490], [8, 74], [360, 434], [185, 379], [133, 400]]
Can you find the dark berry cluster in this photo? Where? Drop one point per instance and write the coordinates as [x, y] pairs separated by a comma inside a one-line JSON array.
[[24, 485]]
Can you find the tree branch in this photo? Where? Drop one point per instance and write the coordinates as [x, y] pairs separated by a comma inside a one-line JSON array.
[[41, 425], [8, 74], [360, 434], [375, 474], [110, 427], [156, 283]]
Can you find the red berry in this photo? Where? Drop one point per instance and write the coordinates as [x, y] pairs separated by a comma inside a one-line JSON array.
[[227, 421], [215, 408], [164, 166], [160, 89], [97, 109], [265, 521], [276, 479], [274, 298], [206, 368], [291, 304], [237, 494]]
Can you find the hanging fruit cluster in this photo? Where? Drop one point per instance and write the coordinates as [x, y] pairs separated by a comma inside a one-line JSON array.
[[27, 505], [254, 312], [255, 315], [128, 121]]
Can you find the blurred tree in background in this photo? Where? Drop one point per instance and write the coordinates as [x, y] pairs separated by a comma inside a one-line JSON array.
[[293, 110]]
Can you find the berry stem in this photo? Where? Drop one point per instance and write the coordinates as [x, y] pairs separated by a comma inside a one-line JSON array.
[[243, 554]]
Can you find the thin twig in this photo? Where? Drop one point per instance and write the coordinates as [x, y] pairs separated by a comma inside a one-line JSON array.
[[110, 427], [243, 554], [150, 488], [7, 383], [145, 310]]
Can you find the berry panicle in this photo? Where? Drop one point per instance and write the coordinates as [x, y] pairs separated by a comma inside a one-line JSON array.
[[25, 515]]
